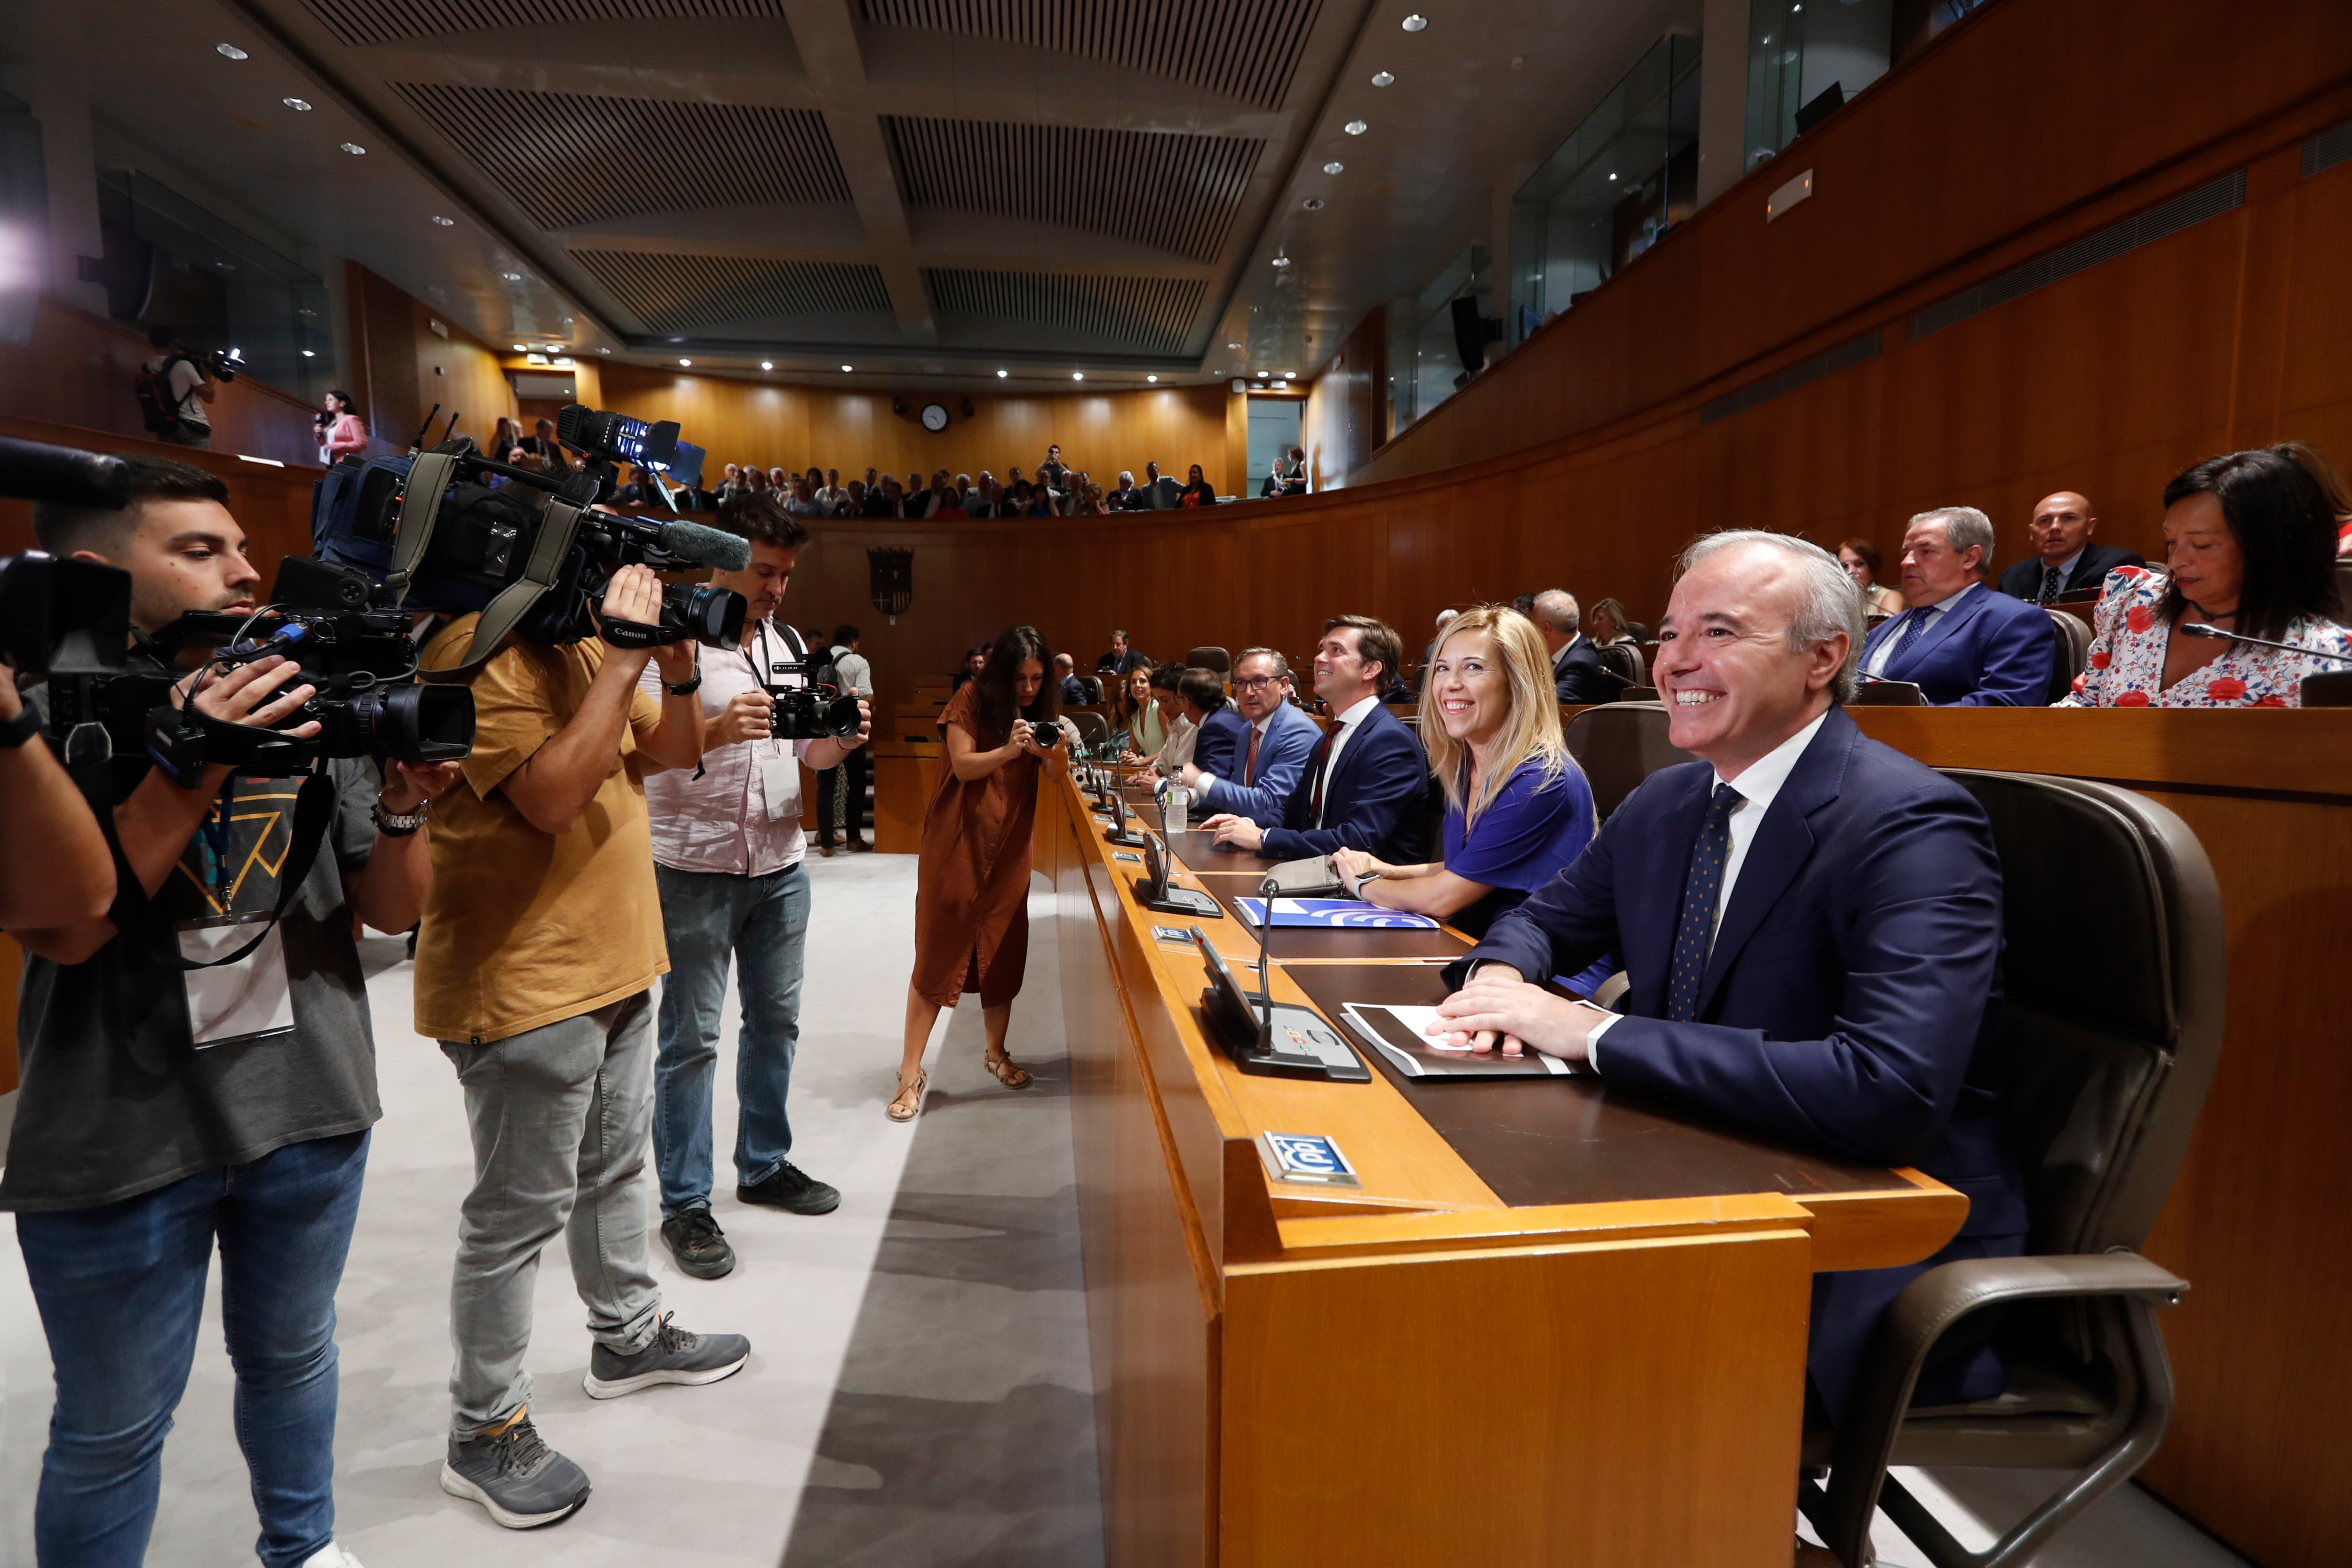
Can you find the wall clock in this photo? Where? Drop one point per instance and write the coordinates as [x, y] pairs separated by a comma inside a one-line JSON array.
[[935, 417]]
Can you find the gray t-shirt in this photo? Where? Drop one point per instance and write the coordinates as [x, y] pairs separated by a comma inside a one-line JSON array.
[[96, 1123]]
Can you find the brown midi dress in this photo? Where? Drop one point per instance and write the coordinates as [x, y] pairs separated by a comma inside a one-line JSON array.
[[972, 879]]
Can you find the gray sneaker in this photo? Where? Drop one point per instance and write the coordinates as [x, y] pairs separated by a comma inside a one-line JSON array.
[[672, 1355], [522, 1481]]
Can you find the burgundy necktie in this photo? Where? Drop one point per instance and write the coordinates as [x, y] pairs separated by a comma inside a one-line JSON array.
[[1315, 798], [1249, 767]]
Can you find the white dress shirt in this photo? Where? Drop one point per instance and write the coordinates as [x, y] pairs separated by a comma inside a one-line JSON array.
[[856, 674], [1757, 785], [1877, 663], [715, 817], [1178, 749], [1348, 720]]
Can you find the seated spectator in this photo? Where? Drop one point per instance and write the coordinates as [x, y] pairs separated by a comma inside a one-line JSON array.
[[1577, 675], [1860, 558], [965, 494], [854, 503], [1197, 490], [1066, 675], [1962, 644], [918, 501], [1605, 624], [1281, 738], [2064, 560], [542, 444], [1526, 604], [945, 500], [835, 500], [1124, 497], [975, 659], [1040, 502], [1274, 473], [801, 501], [1090, 502], [1167, 683], [1367, 785], [881, 501], [1138, 716], [1120, 658], [1517, 808], [2249, 547], [755, 479], [780, 480], [1221, 732]]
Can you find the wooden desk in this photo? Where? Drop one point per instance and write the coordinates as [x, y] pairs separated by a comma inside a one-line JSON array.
[[905, 774], [1479, 1355]]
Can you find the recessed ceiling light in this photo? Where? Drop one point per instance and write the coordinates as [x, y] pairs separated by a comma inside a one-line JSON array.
[[1333, 167], [1314, 204], [296, 104], [1415, 23], [445, 222], [1233, 345], [1282, 261], [228, 51], [355, 150], [1381, 79], [686, 362], [511, 277], [1002, 373], [1290, 375], [522, 348], [603, 351], [767, 364], [1355, 128], [1077, 375], [308, 354], [1151, 378], [1612, 177], [845, 367]]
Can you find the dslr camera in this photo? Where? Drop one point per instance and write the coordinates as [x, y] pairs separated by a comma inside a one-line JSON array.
[[817, 708], [1047, 732], [532, 553]]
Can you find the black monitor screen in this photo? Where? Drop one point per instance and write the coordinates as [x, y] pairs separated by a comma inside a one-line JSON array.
[[1226, 980]]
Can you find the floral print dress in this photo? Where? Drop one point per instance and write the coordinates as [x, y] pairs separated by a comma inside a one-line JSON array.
[[2126, 668]]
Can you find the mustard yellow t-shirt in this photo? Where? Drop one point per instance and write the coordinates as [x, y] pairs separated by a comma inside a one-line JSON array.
[[525, 930]]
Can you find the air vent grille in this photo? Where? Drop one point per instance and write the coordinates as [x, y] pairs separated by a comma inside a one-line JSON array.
[[1802, 374], [1149, 315], [360, 23], [1178, 194], [2327, 149], [2182, 212], [1245, 50], [567, 159], [672, 293]]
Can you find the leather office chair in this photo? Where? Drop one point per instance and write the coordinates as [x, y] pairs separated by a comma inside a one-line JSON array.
[[1093, 683], [2071, 654], [1215, 658], [2110, 1032], [1619, 744], [1092, 729], [1625, 661]]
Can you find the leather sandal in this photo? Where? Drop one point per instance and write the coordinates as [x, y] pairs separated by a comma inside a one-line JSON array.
[[1005, 1070], [908, 1103]]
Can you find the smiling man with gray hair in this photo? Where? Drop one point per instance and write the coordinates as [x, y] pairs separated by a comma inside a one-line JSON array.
[[1810, 922], [1960, 643]]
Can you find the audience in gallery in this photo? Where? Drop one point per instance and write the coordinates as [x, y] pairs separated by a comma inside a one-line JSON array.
[[1576, 671], [2064, 560], [1960, 643], [1197, 490], [1280, 739], [1860, 558], [1138, 716], [1057, 490], [2249, 549]]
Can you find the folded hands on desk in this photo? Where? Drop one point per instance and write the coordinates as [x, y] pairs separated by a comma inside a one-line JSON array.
[[1497, 1004]]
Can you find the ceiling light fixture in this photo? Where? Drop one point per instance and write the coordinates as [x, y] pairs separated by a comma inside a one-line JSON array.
[[1612, 177], [522, 348], [307, 354], [686, 362], [1002, 373], [1314, 204], [767, 364], [603, 351], [1282, 261], [445, 222], [1355, 128], [1334, 167], [228, 51], [844, 369], [1233, 345], [296, 104], [1382, 78], [1151, 378], [355, 150], [1290, 375], [1077, 375], [1415, 23]]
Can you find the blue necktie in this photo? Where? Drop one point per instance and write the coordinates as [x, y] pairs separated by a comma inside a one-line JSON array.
[[1701, 890], [1911, 634]]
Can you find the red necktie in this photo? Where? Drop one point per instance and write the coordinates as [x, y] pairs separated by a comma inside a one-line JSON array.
[[1249, 767], [1315, 797]]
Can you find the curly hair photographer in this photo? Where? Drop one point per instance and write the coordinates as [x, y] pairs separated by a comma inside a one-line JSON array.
[[164, 1109], [971, 888]]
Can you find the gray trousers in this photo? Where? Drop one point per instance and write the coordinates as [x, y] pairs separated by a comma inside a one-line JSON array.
[[561, 1118]]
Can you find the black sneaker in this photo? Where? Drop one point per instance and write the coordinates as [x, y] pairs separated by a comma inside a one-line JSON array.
[[524, 1482], [795, 1189], [672, 1355], [701, 1247]]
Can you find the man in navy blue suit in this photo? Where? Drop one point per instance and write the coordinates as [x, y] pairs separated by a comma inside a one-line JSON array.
[[1962, 644], [1273, 754], [1366, 785], [1809, 923], [1222, 731]]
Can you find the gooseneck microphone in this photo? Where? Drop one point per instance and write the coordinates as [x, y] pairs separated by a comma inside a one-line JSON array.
[[2205, 629]]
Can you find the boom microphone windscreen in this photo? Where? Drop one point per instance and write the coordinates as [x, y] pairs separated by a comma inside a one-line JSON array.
[[33, 471], [707, 547]]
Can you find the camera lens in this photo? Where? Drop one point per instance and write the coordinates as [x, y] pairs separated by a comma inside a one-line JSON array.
[[1046, 733], [417, 723], [712, 616]]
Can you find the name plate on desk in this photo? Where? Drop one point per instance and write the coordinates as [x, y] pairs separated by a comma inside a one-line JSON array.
[[1305, 1157]]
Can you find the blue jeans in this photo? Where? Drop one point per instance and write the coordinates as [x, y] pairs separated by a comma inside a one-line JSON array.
[[121, 1289], [761, 921]]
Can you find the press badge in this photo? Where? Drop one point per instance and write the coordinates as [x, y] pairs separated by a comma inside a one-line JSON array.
[[235, 1003], [780, 785]]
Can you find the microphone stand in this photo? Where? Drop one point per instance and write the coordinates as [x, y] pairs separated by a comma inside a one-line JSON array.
[[2329, 688], [2203, 629], [1265, 1009]]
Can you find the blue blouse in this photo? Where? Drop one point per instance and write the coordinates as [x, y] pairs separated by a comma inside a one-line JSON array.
[[1527, 835]]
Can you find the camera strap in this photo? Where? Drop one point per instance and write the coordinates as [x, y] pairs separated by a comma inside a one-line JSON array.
[[429, 481]]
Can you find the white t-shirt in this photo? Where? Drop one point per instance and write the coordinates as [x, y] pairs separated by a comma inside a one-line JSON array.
[[184, 380]]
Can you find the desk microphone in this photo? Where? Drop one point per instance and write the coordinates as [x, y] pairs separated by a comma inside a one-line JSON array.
[[2205, 629], [2329, 688], [1264, 1020]]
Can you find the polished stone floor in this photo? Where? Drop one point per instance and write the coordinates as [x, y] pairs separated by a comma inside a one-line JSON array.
[[920, 1390]]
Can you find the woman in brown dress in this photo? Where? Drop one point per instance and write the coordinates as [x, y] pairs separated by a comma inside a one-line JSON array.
[[972, 887]]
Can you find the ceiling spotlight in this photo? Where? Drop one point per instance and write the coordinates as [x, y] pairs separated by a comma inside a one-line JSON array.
[[1382, 78], [1077, 375], [296, 104], [445, 222], [686, 362], [767, 364], [354, 149], [1002, 373], [1355, 128], [1290, 375], [1415, 23], [603, 351], [1233, 345], [307, 354], [1314, 204], [1282, 261], [511, 277], [522, 348], [1612, 177], [844, 368], [1333, 167], [1151, 378], [228, 51]]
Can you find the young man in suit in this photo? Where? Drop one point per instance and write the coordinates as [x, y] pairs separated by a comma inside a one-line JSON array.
[[2064, 560], [1576, 672], [1273, 754], [1367, 783], [1811, 923], [1963, 645]]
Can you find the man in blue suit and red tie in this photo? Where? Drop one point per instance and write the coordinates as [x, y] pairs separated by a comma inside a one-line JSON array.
[[1273, 755], [1810, 927], [1962, 644], [1366, 785]]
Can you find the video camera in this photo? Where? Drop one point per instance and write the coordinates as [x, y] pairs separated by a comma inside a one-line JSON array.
[[64, 619], [221, 365], [815, 710], [532, 553]]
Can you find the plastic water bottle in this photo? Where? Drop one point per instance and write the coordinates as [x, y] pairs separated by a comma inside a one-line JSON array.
[[1178, 798]]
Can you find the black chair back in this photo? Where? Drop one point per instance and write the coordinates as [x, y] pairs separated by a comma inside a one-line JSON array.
[[2071, 655], [1619, 744], [1215, 658]]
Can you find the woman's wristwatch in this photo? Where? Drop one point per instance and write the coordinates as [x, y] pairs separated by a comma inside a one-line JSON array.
[[399, 825]]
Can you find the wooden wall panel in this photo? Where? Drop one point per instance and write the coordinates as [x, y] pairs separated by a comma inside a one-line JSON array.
[[402, 367]]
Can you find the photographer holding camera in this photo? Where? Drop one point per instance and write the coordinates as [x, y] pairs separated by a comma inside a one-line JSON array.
[[728, 858], [165, 1106], [534, 969], [174, 388]]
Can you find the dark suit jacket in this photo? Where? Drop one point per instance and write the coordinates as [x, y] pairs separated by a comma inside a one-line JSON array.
[[1990, 651], [1850, 1002], [1577, 675], [2023, 578], [1290, 739], [1375, 799], [1126, 663], [1224, 734]]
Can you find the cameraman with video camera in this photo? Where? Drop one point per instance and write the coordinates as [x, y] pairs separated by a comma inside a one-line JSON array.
[[728, 857], [174, 388], [535, 967], [165, 1106]]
